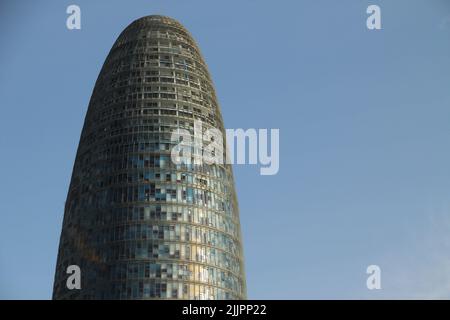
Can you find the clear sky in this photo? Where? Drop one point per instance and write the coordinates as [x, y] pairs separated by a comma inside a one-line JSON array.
[[364, 119]]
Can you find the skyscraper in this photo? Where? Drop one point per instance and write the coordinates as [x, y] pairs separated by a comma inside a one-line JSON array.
[[139, 225]]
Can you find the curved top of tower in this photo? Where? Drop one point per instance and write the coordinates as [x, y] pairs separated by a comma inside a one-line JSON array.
[[140, 27], [156, 19], [150, 21]]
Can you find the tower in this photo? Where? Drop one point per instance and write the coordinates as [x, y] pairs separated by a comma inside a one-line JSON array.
[[137, 224]]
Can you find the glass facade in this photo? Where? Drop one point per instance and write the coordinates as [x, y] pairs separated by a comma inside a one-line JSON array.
[[138, 225]]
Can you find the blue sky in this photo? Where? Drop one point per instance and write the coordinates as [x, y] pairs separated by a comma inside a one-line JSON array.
[[364, 119]]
